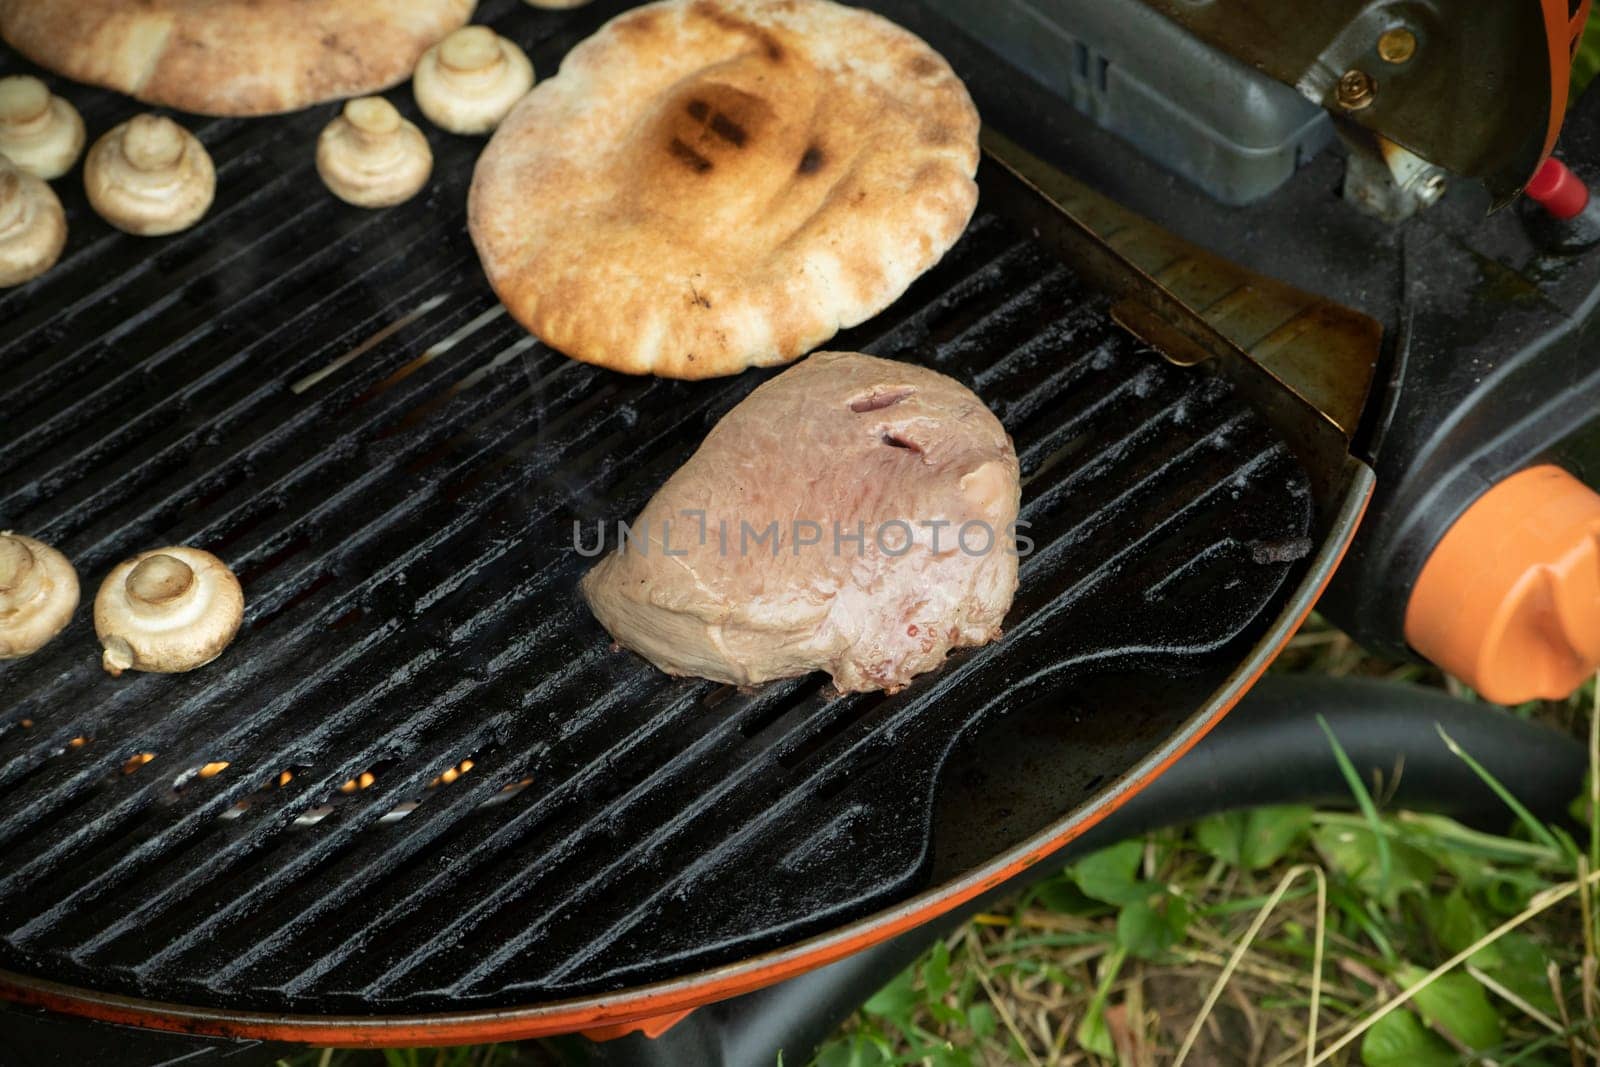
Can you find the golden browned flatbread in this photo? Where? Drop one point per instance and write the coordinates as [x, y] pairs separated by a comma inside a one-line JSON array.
[[709, 185], [231, 57]]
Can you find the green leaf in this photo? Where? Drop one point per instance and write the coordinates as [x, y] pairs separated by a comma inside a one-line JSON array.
[[981, 1021], [1456, 1002], [1147, 928], [1253, 839], [1400, 1040], [895, 1000], [855, 1051], [1454, 919], [1358, 854], [1518, 963], [1507, 890], [936, 971], [1111, 874], [1061, 894], [1094, 1035], [1092, 1032], [948, 1055]]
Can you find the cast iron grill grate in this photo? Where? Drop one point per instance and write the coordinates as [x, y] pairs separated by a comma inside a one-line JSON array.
[[440, 784]]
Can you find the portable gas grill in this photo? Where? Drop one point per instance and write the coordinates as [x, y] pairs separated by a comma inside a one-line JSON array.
[[422, 801]]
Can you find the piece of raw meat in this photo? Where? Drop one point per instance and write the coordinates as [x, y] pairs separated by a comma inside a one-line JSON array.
[[854, 515]]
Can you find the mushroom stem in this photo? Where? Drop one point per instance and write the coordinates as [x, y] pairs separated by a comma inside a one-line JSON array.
[[153, 143], [118, 657], [24, 105], [373, 120], [376, 143], [159, 579], [471, 54]]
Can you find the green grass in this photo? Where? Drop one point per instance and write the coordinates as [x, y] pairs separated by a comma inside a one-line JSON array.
[[1111, 960]]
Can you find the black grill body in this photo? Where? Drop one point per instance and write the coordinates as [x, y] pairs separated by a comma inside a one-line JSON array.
[[333, 402]]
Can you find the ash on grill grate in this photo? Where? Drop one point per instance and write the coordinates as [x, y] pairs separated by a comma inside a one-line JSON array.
[[420, 776]]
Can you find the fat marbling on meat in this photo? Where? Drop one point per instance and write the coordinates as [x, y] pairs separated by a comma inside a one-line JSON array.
[[781, 546]]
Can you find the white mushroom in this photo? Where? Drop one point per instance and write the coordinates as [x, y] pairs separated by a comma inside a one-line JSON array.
[[470, 80], [38, 594], [39, 132], [33, 229], [150, 177], [167, 610], [370, 156]]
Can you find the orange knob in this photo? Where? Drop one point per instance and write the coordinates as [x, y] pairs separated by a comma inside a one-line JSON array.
[[1509, 602]]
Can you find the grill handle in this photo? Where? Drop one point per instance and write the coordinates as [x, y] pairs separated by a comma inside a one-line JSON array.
[[1269, 750]]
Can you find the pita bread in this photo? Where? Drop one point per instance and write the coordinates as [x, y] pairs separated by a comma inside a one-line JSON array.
[[709, 185], [231, 57]]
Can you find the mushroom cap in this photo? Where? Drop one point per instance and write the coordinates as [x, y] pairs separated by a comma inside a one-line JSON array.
[[371, 156], [38, 594], [471, 80], [167, 610], [150, 177], [41, 133], [33, 228]]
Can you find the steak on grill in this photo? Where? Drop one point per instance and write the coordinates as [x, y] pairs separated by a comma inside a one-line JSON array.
[[854, 515]]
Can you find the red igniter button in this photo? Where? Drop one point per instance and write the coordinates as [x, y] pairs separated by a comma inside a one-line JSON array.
[[1559, 191]]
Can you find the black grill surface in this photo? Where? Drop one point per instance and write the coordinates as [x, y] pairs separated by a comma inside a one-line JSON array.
[[333, 402]]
